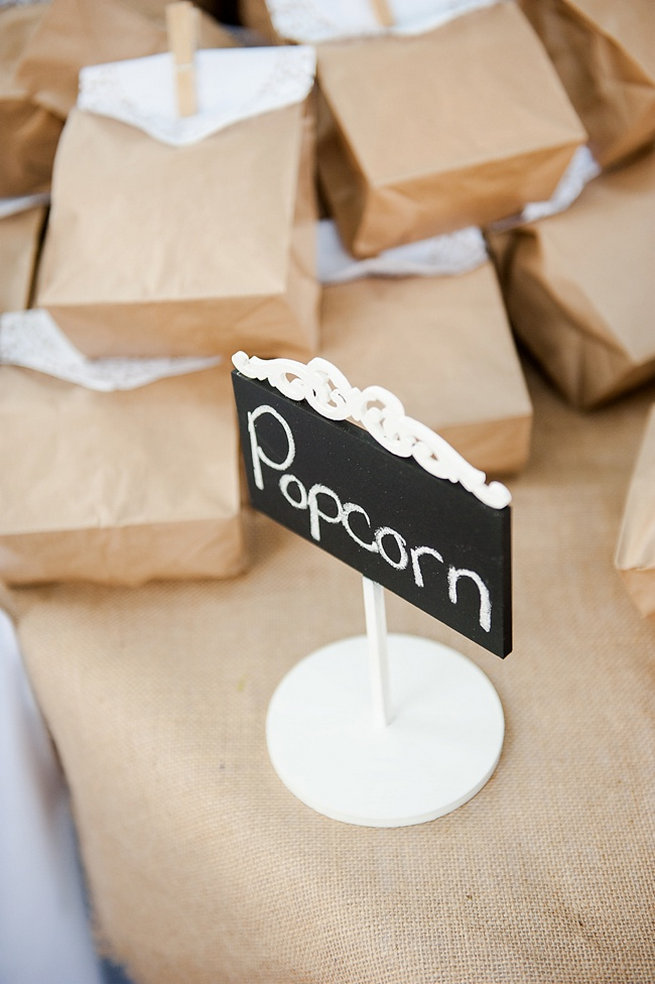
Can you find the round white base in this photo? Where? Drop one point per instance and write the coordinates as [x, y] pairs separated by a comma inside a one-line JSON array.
[[441, 746]]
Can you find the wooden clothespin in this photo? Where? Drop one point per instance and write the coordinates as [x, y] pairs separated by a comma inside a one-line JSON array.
[[181, 24], [382, 12]]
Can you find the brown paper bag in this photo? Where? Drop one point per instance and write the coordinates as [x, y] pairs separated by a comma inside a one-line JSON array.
[[579, 286], [29, 131], [20, 239], [456, 370], [121, 487], [203, 249], [635, 552], [605, 55], [426, 134], [74, 33]]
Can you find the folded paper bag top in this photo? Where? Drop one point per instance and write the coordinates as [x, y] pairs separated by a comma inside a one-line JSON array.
[[490, 128], [232, 85], [135, 483], [195, 249]]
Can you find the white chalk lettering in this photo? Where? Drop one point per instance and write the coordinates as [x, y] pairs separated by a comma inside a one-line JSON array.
[[348, 508], [285, 482], [316, 515], [401, 543], [454, 575], [258, 455], [324, 505], [417, 552]]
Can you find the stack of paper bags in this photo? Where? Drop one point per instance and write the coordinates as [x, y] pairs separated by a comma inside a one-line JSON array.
[[604, 53], [119, 471], [635, 552], [21, 227], [579, 286], [436, 305], [186, 235], [450, 117], [29, 130]]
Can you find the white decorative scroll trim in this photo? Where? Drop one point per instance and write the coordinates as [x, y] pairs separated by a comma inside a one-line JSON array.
[[12, 206], [327, 390], [314, 21], [32, 340], [454, 253], [582, 169], [232, 84]]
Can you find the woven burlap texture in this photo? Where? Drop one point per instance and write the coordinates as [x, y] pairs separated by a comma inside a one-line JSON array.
[[204, 868]]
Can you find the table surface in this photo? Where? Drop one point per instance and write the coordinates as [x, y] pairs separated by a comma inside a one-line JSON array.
[[204, 868]]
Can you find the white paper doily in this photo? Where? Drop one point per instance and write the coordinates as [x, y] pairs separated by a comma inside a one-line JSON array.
[[32, 340], [440, 256], [232, 84], [314, 21]]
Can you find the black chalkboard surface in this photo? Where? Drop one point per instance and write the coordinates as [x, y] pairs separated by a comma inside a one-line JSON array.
[[425, 538]]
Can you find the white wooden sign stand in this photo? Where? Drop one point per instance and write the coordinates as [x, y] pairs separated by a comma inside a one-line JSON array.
[[384, 730], [378, 730]]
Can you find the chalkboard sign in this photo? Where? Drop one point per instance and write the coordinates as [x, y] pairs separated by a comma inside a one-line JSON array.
[[428, 539]]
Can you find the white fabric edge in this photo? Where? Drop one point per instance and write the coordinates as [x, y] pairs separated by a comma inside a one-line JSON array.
[[44, 926]]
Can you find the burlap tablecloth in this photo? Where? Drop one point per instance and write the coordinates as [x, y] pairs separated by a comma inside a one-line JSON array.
[[203, 868]]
